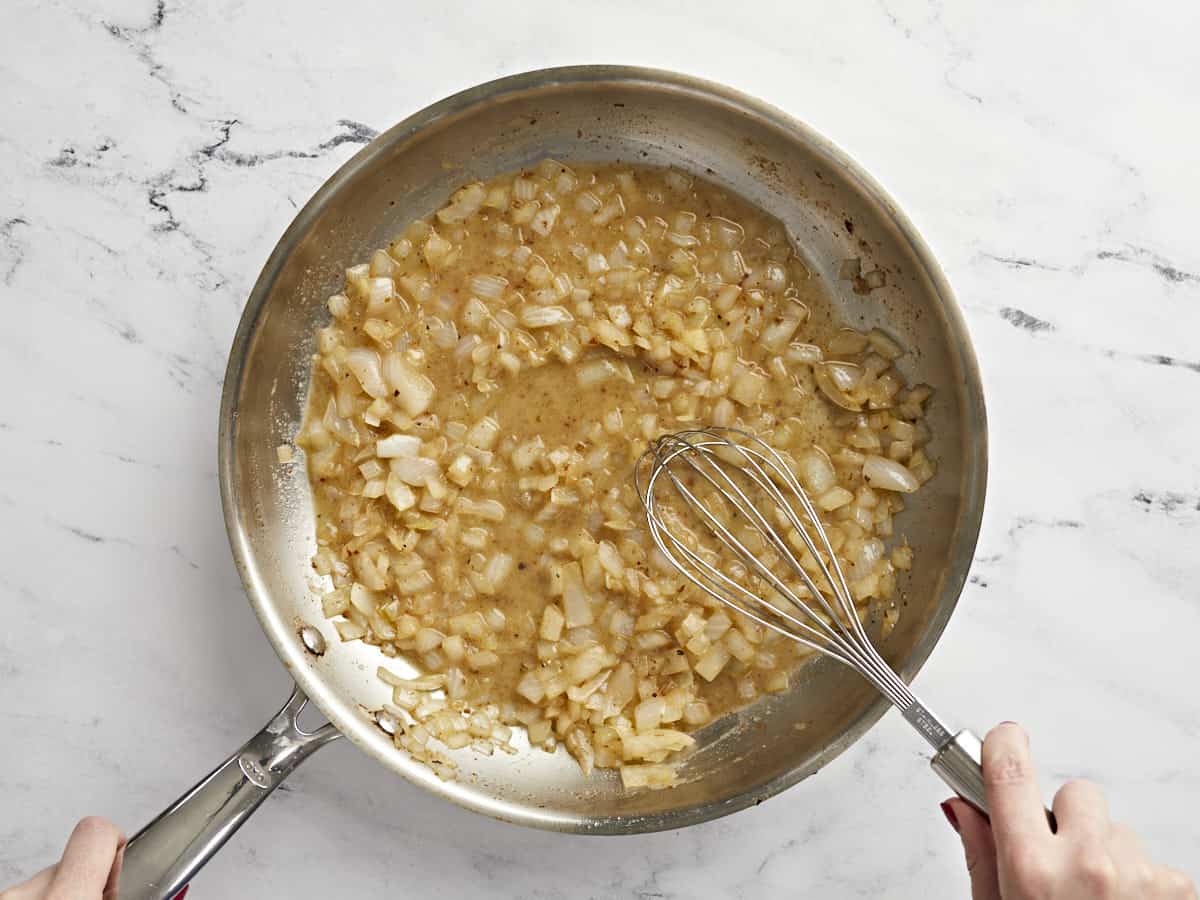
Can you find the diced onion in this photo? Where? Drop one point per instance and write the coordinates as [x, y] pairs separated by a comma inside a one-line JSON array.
[[414, 470], [544, 316], [835, 379], [543, 220], [748, 386], [649, 713], [485, 527], [399, 494], [889, 475], [642, 746], [398, 445], [413, 390], [483, 433], [488, 510], [653, 776], [465, 203], [577, 604], [815, 471], [487, 286], [366, 368]]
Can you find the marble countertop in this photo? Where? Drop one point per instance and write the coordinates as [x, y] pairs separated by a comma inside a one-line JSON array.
[[154, 152]]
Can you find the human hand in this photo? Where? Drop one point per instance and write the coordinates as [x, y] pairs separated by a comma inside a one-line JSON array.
[[89, 869], [1017, 857]]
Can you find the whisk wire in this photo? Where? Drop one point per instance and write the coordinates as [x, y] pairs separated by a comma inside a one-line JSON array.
[[767, 484], [717, 581], [841, 589], [760, 513], [838, 633], [744, 507], [867, 657]]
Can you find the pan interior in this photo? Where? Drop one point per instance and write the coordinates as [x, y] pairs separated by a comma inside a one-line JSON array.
[[598, 114]]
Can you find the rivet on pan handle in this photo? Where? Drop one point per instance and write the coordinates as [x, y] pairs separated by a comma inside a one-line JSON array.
[[165, 855]]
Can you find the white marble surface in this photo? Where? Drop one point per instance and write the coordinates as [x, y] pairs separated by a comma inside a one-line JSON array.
[[151, 157]]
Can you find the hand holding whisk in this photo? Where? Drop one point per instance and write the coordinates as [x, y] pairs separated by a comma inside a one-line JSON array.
[[733, 490]]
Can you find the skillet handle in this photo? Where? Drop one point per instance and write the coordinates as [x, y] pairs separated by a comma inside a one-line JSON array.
[[162, 858]]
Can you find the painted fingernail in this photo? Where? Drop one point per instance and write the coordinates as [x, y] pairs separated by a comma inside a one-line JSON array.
[[948, 812], [182, 893], [1017, 725]]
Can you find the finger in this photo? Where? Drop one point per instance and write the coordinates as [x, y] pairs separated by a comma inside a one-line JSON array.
[[1135, 875], [113, 885], [978, 846], [1124, 844], [1175, 885], [34, 888], [1138, 876], [1080, 808], [1014, 799], [86, 862]]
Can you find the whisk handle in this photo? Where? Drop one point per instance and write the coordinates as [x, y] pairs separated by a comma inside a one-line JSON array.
[[959, 763]]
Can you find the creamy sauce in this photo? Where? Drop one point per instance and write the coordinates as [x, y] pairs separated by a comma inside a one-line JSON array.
[[674, 304]]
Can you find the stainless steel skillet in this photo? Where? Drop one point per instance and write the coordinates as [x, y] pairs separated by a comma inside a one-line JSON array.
[[834, 211]]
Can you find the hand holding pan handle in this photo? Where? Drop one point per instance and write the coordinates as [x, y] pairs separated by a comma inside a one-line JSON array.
[[162, 858]]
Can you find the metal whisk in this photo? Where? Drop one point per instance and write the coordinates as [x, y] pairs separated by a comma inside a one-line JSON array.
[[731, 483]]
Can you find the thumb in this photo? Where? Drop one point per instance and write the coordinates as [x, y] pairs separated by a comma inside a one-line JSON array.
[[978, 846]]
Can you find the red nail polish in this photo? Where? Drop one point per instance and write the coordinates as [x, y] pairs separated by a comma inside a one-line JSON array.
[[948, 811], [182, 893]]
